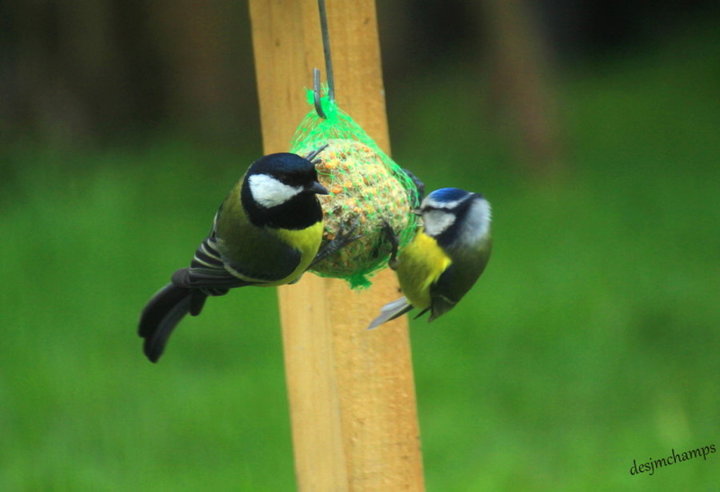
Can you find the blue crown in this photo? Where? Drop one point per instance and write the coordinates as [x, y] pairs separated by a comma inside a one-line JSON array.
[[448, 194]]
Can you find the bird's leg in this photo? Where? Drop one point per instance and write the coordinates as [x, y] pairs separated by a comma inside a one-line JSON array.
[[343, 238], [394, 243]]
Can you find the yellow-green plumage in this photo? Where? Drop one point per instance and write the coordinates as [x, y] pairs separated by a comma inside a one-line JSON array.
[[307, 241]]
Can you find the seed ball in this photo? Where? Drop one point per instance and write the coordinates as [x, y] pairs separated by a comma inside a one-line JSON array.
[[364, 194]]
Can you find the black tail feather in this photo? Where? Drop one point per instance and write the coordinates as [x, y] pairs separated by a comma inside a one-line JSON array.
[[163, 313]]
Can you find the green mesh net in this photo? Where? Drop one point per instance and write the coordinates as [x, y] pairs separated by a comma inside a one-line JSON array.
[[367, 191]]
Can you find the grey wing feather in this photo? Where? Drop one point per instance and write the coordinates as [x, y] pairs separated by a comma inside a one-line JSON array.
[[390, 311]]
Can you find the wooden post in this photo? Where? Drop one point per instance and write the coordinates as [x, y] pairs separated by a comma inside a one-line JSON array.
[[351, 391]]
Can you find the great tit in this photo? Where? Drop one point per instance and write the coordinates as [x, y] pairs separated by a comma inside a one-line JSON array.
[[445, 258], [266, 232]]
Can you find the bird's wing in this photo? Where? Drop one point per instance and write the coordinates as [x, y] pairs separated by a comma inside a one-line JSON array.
[[448, 290], [457, 280], [260, 258]]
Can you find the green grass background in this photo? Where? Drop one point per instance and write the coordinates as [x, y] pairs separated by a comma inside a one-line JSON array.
[[591, 340]]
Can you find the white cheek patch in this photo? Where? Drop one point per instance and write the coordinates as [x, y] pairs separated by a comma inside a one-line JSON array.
[[269, 192], [437, 221], [477, 222]]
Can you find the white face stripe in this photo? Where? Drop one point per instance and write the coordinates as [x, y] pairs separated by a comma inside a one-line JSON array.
[[269, 192], [437, 221]]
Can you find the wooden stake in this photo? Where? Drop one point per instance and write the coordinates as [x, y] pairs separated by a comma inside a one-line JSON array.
[[351, 391]]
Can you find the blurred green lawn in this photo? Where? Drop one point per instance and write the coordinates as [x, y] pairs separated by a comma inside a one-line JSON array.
[[591, 340]]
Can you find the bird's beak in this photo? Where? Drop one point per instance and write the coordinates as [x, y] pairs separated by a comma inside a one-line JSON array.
[[416, 211], [317, 188]]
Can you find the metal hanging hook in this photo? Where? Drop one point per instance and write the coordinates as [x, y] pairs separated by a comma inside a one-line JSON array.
[[316, 93], [325, 32]]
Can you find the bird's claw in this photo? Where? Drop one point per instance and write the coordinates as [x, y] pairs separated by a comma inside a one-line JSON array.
[[394, 243], [345, 236]]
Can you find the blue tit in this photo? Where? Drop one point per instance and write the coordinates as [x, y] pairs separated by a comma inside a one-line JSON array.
[[266, 232], [446, 256]]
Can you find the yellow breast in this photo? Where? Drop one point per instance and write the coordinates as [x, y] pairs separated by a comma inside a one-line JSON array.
[[307, 241], [420, 265]]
